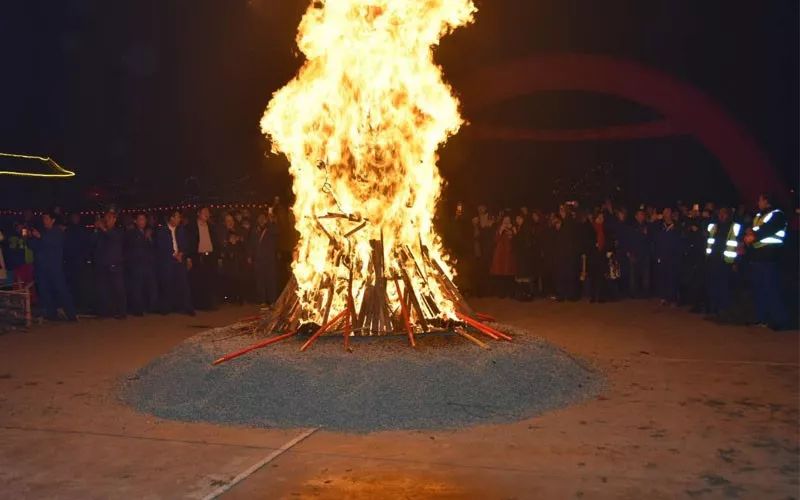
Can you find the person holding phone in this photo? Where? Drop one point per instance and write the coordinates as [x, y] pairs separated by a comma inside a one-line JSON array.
[[503, 267]]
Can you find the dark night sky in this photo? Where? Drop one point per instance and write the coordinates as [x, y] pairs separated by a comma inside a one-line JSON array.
[[144, 93]]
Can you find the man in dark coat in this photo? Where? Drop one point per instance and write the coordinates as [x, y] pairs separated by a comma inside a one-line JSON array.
[[639, 249], [203, 260], [140, 261], [78, 260], [668, 251], [173, 278], [48, 247], [109, 259], [264, 254]]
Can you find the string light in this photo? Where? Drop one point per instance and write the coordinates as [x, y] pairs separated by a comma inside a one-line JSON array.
[[60, 172], [230, 206]]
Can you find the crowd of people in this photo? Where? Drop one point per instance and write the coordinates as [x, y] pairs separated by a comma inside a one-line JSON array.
[[145, 262], [733, 265]]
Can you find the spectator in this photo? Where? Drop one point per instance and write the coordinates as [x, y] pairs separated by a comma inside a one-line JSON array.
[[538, 236], [233, 262], [203, 260], [522, 245], [598, 261], [764, 245], [693, 263], [140, 260], [20, 255], [486, 243], [109, 260], [458, 236], [171, 247], [638, 255], [504, 267], [667, 254], [48, 245], [719, 267], [78, 263], [263, 256]]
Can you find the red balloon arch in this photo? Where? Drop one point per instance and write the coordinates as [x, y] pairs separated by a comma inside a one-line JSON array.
[[685, 110]]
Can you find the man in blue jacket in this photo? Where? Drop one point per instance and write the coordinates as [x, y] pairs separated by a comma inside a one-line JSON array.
[[48, 247], [109, 259], [140, 256]]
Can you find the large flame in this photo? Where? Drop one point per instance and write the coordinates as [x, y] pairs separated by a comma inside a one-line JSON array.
[[360, 125]]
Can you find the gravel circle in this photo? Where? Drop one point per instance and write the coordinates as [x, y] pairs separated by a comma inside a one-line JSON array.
[[447, 382]]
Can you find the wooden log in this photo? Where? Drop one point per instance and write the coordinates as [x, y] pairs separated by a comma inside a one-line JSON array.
[[347, 330], [448, 284], [406, 319], [412, 294], [355, 230], [328, 301], [463, 333]]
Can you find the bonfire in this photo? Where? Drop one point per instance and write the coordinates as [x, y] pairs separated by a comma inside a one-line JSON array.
[[360, 125]]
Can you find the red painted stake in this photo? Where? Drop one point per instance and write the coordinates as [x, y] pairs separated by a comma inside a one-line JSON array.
[[488, 330], [484, 317], [253, 347], [324, 328]]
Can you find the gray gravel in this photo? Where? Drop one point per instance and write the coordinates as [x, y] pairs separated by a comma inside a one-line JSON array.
[[383, 384]]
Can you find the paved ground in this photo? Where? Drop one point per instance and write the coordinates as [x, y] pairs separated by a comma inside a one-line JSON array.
[[693, 410]]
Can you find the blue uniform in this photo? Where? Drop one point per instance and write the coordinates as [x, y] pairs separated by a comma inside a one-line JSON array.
[[639, 248], [173, 278], [109, 259], [50, 281], [140, 263], [667, 243], [719, 271], [78, 255]]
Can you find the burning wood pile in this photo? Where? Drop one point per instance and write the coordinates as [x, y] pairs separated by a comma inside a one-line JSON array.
[[360, 125]]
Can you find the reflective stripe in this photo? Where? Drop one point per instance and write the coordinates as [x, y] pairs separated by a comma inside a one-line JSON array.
[[710, 227], [769, 240], [708, 251], [732, 243], [768, 217], [781, 234], [710, 241], [756, 228], [729, 253], [736, 228]]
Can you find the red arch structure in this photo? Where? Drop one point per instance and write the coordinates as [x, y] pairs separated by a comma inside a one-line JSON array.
[[685, 109]]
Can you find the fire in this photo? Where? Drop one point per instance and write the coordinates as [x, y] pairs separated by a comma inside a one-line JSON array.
[[360, 125]]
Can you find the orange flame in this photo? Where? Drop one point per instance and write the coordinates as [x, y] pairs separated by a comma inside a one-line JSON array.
[[360, 125]]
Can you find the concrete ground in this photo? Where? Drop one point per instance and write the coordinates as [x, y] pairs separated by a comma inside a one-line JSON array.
[[692, 410]]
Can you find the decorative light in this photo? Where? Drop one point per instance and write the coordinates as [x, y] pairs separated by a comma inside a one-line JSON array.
[[60, 172]]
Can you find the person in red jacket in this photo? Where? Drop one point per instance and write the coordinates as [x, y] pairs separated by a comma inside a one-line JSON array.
[[504, 267]]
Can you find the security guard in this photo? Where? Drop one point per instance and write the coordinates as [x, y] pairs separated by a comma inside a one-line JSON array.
[[765, 243], [721, 254]]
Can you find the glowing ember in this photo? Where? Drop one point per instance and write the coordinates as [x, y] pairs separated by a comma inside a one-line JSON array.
[[360, 125]]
